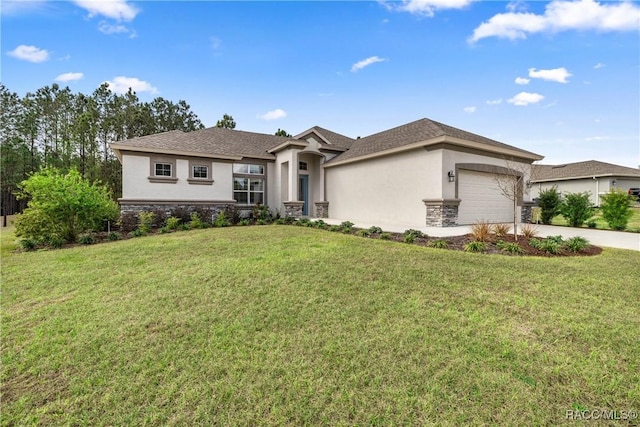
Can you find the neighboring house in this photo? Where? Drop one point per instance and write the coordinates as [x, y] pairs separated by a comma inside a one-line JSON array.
[[422, 173], [591, 176]]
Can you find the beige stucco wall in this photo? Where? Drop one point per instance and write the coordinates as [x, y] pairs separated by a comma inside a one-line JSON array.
[[597, 186], [136, 184], [388, 189]]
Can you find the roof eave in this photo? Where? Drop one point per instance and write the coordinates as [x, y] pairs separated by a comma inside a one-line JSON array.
[[287, 144], [438, 140], [118, 148], [590, 176]]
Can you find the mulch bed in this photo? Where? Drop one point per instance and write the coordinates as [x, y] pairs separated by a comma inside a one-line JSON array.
[[458, 243]]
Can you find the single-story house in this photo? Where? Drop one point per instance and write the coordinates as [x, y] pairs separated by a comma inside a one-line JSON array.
[[423, 173], [591, 176]]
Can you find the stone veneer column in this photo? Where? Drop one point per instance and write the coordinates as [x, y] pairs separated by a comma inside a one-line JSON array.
[[293, 209], [442, 212], [322, 209], [526, 214]]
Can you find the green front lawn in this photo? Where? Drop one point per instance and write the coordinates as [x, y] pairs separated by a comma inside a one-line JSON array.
[[280, 325], [633, 225]]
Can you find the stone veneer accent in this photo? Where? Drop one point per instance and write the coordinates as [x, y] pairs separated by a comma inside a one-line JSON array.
[[293, 209], [150, 205], [442, 212], [322, 209], [526, 215]]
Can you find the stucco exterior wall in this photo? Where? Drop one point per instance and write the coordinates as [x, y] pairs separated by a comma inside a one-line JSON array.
[[388, 189], [596, 187], [136, 185]]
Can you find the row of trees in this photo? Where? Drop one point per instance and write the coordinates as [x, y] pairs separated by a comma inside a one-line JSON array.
[[54, 127]]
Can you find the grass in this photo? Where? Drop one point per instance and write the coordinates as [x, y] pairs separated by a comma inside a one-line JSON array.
[[283, 325], [633, 224]]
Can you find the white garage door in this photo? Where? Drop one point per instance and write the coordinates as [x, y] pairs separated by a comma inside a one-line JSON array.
[[481, 200]]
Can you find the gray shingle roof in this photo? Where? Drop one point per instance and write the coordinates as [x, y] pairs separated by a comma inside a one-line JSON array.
[[417, 131], [210, 141], [335, 139], [589, 168]]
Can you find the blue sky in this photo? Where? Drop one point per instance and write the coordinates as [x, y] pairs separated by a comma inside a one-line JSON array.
[[561, 78]]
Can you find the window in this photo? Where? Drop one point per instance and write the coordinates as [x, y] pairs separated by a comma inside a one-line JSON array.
[[163, 169], [201, 172], [248, 185], [303, 166]]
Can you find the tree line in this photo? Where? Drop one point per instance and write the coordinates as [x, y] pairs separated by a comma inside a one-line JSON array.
[[55, 127]]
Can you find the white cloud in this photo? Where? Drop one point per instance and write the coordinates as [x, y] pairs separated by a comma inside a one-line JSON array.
[[525, 98], [107, 28], [425, 7], [494, 101], [471, 109], [29, 53], [559, 75], [366, 62], [119, 10], [273, 115], [562, 15], [597, 138], [68, 77], [121, 84], [21, 7], [517, 6], [599, 65], [522, 81]]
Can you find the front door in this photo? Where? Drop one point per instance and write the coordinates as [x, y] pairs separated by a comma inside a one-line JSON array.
[[303, 193]]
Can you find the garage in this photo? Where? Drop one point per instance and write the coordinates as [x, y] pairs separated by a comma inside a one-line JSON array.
[[481, 199]]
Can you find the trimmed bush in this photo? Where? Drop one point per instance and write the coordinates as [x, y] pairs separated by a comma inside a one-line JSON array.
[[549, 201], [616, 208], [222, 220], [385, 236], [173, 222], [145, 221], [576, 208], [363, 233], [346, 226]]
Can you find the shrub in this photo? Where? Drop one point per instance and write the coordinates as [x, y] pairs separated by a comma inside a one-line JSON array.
[[128, 222], [113, 236], [529, 231], [184, 226], [164, 230], [173, 222], [233, 214], [375, 229], [481, 231], [245, 222], [262, 212], [385, 236], [577, 244], [576, 208], [511, 247], [592, 223], [552, 244], [549, 202], [616, 208], [65, 203], [55, 242], [475, 246], [28, 244], [415, 233], [501, 230], [335, 228], [145, 221], [410, 235], [182, 213], [346, 226], [196, 221], [86, 239], [137, 233], [439, 244], [320, 224], [363, 233], [222, 220], [261, 222]]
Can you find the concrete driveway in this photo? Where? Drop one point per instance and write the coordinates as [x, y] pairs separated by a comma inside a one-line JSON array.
[[606, 238]]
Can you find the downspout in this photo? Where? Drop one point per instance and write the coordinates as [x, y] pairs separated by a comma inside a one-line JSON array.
[[597, 191]]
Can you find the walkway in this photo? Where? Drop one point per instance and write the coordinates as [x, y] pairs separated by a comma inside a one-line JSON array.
[[607, 238]]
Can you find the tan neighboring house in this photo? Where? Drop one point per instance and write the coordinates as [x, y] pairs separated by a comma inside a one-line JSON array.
[[591, 176], [422, 173]]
